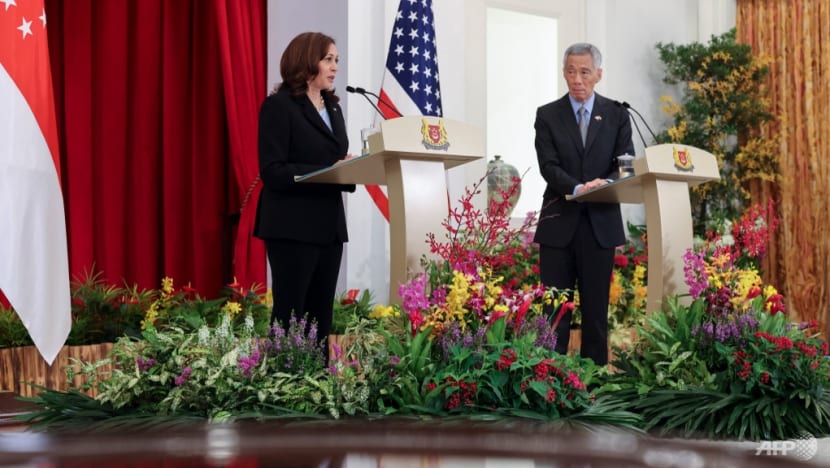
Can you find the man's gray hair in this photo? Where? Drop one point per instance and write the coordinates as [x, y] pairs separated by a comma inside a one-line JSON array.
[[583, 48]]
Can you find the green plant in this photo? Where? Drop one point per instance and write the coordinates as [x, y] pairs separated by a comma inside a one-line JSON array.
[[101, 313], [349, 307], [12, 331], [511, 376], [665, 353], [723, 104], [730, 364]]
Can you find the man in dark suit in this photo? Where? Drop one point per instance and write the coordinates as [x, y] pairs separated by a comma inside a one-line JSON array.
[[578, 138]]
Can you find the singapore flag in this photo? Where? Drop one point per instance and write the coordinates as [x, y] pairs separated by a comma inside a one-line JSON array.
[[34, 270]]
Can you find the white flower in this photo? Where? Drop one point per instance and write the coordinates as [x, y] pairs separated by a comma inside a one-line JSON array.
[[204, 335]]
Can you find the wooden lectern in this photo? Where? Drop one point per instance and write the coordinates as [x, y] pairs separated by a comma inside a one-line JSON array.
[[410, 155], [661, 180]]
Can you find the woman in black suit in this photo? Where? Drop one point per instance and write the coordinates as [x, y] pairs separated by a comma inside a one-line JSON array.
[[301, 129], [578, 139]]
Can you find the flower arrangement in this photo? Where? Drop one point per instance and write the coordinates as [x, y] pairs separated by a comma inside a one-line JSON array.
[[510, 375], [486, 269], [466, 341], [730, 364], [479, 329], [476, 237], [723, 105]]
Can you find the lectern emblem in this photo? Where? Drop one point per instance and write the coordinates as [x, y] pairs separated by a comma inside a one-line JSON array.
[[683, 159], [435, 136]]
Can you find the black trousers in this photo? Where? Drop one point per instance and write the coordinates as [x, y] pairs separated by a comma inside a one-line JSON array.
[[585, 266], [304, 279]]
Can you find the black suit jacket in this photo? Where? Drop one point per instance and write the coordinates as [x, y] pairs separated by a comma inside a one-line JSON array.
[[294, 140], [564, 163]]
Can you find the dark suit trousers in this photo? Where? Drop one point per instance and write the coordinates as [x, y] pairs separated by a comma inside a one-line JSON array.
[[304, 281], [586, 265]]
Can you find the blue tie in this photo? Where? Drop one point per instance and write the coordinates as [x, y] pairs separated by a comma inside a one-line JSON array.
[[583, 123]]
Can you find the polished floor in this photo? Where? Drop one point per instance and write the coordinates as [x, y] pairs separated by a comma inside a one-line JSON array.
[[398, 443]]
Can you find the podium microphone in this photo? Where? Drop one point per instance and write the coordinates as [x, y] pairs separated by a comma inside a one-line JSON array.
[[352, 89], [628, 107], [380, 100], [634, 121]]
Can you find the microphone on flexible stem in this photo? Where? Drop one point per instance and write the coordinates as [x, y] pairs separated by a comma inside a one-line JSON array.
[[633, 120], [352, 89], [627, 106], [380, 99]]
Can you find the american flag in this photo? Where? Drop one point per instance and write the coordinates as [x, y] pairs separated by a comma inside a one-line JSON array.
[[411, 82], [34, 272]]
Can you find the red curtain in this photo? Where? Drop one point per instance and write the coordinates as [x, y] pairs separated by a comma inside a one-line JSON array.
[[242, 32], [148, 186]]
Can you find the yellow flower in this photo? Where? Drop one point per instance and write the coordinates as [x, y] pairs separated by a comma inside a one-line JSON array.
[[616, 290], [269, 298], [639, 274], [167, 286], [231, 308], [150, 316], [382, 311], [640, 295]]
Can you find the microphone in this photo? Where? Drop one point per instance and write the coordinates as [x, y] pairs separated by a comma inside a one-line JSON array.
[[363, 92], [352, 89], [380, 100], [628, 107], [633, 120]]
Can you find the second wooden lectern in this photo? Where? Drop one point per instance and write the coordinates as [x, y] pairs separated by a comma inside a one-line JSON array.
[[661, 181], [410, 155]]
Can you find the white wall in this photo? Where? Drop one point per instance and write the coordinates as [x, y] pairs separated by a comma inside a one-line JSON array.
[[626, 32]]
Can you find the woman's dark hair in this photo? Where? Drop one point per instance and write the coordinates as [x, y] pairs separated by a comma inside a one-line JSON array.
[[300, 60]]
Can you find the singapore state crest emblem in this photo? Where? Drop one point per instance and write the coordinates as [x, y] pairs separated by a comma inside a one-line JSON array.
[[683, 159], [435, 136]]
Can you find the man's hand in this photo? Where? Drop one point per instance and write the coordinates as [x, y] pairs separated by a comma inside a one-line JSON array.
[[590, 185]]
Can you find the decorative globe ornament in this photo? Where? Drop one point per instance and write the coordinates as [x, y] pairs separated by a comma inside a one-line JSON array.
[[500, 180]]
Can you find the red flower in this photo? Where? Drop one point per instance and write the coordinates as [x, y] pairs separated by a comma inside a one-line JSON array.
[[415, 320], [806, 349], [351, 297], [573, 381], [507, 358], [520, 313], [551, 396], [497, 314], [621, 261], [754, 291], [765, 377], [540, 371], [775, 304], [565, 308]]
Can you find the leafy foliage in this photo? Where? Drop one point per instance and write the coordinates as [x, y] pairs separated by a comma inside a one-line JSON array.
[[730, 364], [722, 107]]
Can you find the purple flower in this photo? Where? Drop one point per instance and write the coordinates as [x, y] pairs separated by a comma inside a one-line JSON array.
[[694, 269], [182, 378], [247, 364], [144, 364], [413, 298]]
